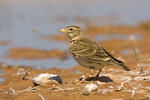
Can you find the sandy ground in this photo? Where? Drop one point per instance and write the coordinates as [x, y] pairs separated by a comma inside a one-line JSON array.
[[113, 83]]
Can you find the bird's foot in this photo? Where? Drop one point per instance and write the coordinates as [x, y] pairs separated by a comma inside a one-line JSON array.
[[97, 76], [83, 79]]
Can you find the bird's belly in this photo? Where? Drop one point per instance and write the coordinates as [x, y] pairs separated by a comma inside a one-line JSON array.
[[88, 64]]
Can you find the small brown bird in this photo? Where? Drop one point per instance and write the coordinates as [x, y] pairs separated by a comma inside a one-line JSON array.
[[87, 52]]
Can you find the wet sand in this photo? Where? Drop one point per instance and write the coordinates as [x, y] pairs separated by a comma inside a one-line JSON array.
[[113, 84]]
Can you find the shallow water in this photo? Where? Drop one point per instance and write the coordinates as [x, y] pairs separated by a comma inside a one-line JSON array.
[[43, 63], [19, 18], [1, 79]]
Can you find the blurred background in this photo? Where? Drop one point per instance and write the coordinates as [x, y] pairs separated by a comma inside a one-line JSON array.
[[26, 23]]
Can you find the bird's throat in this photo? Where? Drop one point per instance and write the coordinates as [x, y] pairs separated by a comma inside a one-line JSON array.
[[73, 36]]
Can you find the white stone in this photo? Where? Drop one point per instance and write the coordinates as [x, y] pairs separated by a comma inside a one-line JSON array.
[[104, 91], [22, 71], [44, 79], [89, 88], [142, 78]]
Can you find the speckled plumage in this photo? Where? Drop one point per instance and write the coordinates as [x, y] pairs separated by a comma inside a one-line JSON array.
[[87, 52]]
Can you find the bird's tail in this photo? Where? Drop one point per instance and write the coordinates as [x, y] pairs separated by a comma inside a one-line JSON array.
[[120, 64], [125, 67], [117, 62]]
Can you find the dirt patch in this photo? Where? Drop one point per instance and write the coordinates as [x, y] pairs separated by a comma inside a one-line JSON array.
[[32, 54], [125, 85], [109, 29], [4, 43]]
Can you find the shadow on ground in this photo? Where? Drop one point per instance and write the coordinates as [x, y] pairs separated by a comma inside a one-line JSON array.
[[101, 79]]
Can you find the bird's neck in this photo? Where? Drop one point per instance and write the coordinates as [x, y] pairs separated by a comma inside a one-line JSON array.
[[74, 35], [76, 38]]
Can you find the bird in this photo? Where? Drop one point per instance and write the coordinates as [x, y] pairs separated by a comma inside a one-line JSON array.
[[88, 53]]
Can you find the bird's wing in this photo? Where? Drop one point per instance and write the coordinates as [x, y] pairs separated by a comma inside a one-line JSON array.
[[99, 55], [113, 58], [82, 47], [89, 50]]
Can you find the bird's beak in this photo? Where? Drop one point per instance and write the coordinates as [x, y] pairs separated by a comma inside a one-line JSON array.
[[62, 30]]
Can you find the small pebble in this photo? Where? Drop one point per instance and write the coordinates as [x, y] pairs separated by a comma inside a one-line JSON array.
[[110, 87], [46, 79], [99, 83], [90, 88], [57, 89], [22, 71], [104, 91], [142, 78]]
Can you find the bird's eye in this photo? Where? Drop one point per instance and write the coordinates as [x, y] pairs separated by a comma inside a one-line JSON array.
[[71, 29]]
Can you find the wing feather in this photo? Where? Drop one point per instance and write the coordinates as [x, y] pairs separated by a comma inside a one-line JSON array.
[[89, 50]]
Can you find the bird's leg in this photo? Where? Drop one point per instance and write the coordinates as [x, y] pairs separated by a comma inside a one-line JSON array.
[[97, 75]]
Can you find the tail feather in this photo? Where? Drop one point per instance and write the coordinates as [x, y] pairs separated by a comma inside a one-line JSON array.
[[121, 64], [117, 62], [125, 67]]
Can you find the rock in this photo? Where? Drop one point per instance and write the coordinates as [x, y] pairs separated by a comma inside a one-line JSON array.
[[100, 83], [22, 71], [46, 79], [80, 79], [104, 91], [89, 88], [56, 89], [140, 78]]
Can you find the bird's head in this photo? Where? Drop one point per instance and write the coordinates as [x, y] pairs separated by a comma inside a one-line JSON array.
[[71, 31]]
